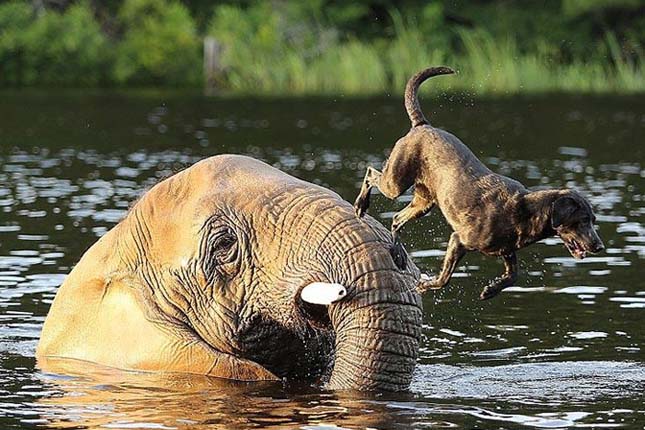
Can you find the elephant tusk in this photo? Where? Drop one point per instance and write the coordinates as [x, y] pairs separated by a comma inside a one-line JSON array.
[[322, 293]]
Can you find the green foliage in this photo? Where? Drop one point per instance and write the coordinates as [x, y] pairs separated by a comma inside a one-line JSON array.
[[159, 44], [54, 48], [413, 48], [258, 39], [289, 49], [579, 7], [15, 16], [328, 46], [64, 49]]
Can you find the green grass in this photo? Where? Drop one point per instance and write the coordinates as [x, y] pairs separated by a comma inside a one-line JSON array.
[[485, 66]]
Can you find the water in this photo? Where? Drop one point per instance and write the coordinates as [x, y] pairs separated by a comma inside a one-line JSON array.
[[562, 349]]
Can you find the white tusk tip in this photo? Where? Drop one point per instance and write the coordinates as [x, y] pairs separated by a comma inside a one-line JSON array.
[[322, 293]]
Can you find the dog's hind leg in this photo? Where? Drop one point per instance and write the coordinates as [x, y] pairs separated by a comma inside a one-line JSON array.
[[418, 207], [455, 252], [506, 280], [399, 174], [392, 185], [372, 178]]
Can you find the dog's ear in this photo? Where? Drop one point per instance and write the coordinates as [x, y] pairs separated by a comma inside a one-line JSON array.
[[562, 211]]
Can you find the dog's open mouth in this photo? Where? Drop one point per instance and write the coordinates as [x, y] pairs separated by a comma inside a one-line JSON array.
[[575, 248]]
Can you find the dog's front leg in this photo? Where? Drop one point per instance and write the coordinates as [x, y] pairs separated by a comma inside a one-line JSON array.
[[372, 178], [506, 280], [455, 252], [418, 207]]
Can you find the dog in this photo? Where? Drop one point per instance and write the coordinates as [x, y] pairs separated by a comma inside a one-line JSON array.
[[489, 213]]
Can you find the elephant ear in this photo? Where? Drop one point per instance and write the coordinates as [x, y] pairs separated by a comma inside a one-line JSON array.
[[563, 210]]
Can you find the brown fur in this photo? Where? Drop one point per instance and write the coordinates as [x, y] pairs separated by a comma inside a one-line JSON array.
[[489, 213]]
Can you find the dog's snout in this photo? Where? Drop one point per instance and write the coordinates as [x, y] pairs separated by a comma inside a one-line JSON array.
[[598, 247]]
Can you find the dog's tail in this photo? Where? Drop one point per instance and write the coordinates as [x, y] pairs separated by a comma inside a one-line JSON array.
[[412, 88]]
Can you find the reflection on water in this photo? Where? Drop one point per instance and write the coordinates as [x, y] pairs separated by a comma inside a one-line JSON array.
[[109, 399], [563, 348]]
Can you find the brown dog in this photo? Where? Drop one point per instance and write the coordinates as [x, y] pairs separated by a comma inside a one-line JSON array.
[[489, 213]]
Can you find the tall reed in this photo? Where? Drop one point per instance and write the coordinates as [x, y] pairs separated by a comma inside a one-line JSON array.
[[276, 59]]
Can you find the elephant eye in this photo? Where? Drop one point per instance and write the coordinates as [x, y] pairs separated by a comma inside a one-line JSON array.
[[221, 250], [224, 245]]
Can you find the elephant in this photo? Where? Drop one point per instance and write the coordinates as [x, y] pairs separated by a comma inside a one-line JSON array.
[[234, 269]]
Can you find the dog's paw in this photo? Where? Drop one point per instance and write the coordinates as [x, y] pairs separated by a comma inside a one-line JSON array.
[[359, 210], [427, 282], [489, 292], [399, 256], [360, 205]]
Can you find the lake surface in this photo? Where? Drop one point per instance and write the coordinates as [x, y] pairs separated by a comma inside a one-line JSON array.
[[562, 349]]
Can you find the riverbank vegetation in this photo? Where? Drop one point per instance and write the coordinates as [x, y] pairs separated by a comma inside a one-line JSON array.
[[291, 47]]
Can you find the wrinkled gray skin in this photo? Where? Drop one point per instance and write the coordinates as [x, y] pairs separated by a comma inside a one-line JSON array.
[[294, 233], [218, 255]]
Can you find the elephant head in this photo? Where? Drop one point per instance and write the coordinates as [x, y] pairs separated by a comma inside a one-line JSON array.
[[235, 269]]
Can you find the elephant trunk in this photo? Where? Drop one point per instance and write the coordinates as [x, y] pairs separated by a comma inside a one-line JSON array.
[[371, 305], [377, 334]]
